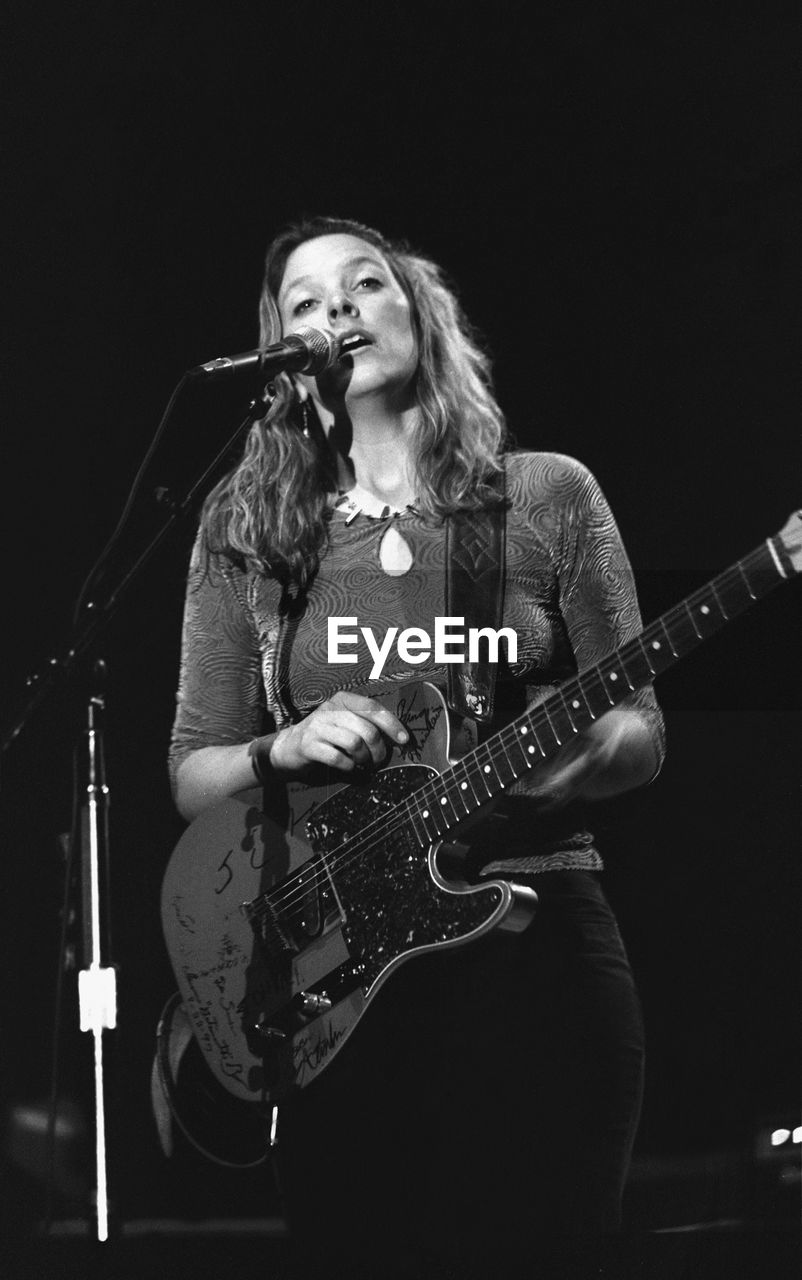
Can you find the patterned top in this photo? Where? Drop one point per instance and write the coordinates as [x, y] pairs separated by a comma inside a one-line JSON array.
[[252, 652]]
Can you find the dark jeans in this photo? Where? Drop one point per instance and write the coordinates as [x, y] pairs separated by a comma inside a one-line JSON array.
[[487, 1103]]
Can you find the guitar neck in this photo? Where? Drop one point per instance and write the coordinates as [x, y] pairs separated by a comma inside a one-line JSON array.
[[482, 775]]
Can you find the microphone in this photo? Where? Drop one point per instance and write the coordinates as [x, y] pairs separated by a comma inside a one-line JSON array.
[[307, 351]]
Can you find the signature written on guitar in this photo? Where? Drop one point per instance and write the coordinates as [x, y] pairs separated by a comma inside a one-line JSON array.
[[420, 719], [310, 1051]]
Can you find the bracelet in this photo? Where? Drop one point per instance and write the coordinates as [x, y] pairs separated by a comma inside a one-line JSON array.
[[259, 750]]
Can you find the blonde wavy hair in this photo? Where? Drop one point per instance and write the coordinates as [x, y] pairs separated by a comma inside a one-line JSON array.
[[272, 510]]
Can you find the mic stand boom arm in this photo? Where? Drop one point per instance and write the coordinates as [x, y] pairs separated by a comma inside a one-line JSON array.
[[57, 669]]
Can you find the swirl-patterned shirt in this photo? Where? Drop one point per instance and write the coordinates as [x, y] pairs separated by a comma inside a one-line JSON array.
[[250, 655]]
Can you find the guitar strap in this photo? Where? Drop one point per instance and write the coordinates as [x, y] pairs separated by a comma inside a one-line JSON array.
[[474, 591], [171, 1099]]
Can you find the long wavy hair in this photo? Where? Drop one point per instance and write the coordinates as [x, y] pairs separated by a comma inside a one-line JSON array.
[[272, 510]]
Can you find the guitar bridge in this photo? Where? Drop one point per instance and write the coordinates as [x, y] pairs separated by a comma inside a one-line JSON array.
[[271, 933], [289, 916]]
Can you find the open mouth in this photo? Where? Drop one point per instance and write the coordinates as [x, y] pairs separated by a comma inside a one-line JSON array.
[[354, 342]]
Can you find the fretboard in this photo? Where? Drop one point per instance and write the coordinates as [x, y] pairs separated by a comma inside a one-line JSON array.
[[448, 800]]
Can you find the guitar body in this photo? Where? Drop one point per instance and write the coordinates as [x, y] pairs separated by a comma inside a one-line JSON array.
[[283, 922]]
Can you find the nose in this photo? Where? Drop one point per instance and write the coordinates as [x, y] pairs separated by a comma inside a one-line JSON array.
[[342, 305]]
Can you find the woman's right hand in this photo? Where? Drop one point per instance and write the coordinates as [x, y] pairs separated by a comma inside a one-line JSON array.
[[345, 732]]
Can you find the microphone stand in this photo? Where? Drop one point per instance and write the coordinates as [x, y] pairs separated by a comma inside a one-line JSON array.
[[97, 984]]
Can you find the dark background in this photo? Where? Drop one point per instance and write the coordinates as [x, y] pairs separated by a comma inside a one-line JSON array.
[[615, 190]]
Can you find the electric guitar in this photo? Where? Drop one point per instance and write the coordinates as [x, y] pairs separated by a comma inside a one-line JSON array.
[[283, 922]]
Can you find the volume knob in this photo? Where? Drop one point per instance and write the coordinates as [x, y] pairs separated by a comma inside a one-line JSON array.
[[311, 1003]]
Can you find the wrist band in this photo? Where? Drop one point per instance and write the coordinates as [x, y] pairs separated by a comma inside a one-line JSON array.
[[259, 751]]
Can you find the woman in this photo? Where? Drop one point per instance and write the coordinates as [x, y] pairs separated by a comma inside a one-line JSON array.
[[492, 1095]]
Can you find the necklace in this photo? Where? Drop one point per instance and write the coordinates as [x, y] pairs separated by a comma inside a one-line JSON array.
[[395, 553], [356, 500]]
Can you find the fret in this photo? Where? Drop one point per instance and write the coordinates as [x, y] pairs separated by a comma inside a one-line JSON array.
[[683, 629], [693, 620], [614, 682], [667, 635], [447, 808], [704, 612], [462, 786], [544, 711], [519, 742], [750, 585], [430, 826], [717, 599], [733, 591], [432, 815], [492, 774], [477, 800], [624, 669], [500, 740], [645, 656], [742, 572], [481, 777], [540, 746], [707, 609], [485, 771], [593, 680], [766, 569], [530, 743], [658, 657], [567, 709], [417, 824], [501, 762], [559, 721], [582, 712], [577, 684]]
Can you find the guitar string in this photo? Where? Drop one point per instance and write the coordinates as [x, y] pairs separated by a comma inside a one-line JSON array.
[[298, 886]]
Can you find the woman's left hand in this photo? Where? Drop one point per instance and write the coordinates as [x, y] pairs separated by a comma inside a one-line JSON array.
[[614, 755]]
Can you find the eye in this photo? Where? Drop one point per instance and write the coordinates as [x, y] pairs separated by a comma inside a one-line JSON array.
[[302, 306], [369, 282]]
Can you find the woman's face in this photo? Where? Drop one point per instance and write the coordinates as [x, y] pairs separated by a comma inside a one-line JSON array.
[[344, 285]]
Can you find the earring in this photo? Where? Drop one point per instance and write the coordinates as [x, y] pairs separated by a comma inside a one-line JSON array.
[[305, 417]]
